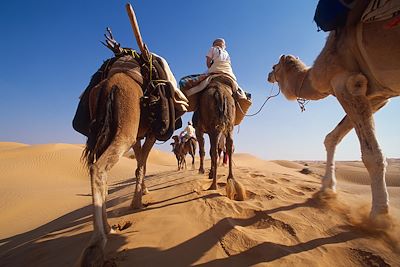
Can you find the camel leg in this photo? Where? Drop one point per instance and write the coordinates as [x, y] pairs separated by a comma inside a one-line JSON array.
[[334, 138], [147, 146], [229, 150], [202, 153], [140, 187], [184, 161], [192, 152], [213, 153], [234, 189], [93, 255], [351, 93], [192, 155], [177, 160], [331, 141]]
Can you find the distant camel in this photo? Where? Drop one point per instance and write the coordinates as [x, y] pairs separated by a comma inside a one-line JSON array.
[[176, 148], [360, 65], [182, 149], [216, 116]]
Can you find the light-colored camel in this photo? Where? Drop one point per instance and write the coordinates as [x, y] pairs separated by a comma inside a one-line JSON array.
[[117, 127], [360, 65], [181, 149], [216, 116]]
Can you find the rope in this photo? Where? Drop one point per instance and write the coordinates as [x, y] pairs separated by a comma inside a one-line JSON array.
[[302, 103], [268, 98]]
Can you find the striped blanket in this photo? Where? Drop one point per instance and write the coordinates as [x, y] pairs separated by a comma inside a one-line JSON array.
[[130, 66], [381, 10]]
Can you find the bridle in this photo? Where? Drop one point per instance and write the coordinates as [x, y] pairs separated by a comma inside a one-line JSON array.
[[301, 101]]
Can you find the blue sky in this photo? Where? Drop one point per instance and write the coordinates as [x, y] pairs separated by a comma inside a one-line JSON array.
[[49, 50]]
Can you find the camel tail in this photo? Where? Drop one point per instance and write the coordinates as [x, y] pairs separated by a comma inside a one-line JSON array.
[[221, 102], [101, 132]]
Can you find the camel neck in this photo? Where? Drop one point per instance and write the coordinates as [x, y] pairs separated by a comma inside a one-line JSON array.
[[304, 89]]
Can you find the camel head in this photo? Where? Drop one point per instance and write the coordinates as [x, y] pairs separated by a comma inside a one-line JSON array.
[[175, 138], [284, 72]]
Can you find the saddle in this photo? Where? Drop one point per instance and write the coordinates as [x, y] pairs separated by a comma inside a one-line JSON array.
[[157, 103]]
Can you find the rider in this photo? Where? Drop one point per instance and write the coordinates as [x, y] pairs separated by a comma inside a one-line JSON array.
[[187, 133], [219, 61]]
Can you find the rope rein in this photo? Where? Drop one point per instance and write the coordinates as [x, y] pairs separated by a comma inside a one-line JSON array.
[[266, 100]]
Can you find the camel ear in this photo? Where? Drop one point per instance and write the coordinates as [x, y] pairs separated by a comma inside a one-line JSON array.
[[282, 59]]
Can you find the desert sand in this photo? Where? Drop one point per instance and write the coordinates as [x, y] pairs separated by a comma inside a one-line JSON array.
[[45, 218]]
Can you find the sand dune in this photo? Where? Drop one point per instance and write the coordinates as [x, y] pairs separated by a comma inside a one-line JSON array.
[[46, 213]]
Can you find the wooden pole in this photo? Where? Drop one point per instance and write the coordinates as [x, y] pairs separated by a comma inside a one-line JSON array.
[[135, 28]]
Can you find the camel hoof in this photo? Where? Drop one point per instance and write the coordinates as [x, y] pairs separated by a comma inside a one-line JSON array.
[[325, 194], [213, 187], [137, 205], [377, 212], [201, 171], [379, 220], [93, 256]]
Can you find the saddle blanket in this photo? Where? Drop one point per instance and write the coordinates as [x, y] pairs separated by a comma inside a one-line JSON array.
[[381, 10], [130, 66], [201, 81]]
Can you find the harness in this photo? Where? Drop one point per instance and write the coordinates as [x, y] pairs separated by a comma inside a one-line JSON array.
[[156, 104]]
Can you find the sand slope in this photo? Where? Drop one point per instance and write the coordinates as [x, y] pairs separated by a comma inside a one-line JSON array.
[[45, 217]]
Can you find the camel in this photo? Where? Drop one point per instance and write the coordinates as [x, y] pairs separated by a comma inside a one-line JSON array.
[[360, 66], [182, 149], [176, 148], [215, 116], [116, 128]]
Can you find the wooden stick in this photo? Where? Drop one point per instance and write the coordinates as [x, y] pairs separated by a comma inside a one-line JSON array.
[[135, 28]]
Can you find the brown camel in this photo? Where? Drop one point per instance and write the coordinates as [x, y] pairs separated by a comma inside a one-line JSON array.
[[118, 123], [216, 116], [116, 128], [182, 149], [360, 65], [177, 149]]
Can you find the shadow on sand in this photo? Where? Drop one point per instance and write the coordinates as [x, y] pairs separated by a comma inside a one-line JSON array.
[[43, 246]]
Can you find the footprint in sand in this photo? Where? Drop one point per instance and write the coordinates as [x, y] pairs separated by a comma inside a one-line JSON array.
[[255, 175], [307, 188], [294, 192], [121, 226], [368, 259], [269, 196], [250, 195], [245, 170], [263, 221], [284, 179]]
